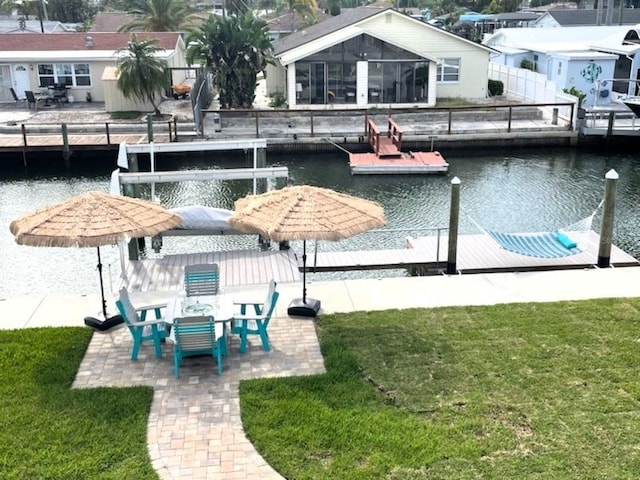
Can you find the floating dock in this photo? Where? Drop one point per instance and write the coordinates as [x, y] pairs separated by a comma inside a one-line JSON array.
[[388, 158]]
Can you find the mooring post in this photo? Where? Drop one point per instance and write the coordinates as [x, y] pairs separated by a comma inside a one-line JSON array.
[[606, 230], [150, 127], [133, 191], [66, 151], [454, 215], [24, 144]]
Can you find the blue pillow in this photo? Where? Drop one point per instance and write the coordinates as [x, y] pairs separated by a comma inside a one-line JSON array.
[[565, 240]]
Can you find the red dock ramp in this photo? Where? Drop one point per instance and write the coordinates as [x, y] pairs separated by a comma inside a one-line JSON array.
[[388, 157]]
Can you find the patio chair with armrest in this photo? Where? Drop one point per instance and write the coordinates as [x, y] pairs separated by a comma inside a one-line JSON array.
[[197, 336], [32, 99], [142, 330], [14, 95], [201, 279], [255, 321]]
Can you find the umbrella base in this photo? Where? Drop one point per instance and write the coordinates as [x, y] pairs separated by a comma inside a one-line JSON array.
[[102, 325], [298, 308]]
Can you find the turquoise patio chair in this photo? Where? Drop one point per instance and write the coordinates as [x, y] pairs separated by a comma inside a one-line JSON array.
[[255, 322], [142, 330], [201, 279], [197, 336]]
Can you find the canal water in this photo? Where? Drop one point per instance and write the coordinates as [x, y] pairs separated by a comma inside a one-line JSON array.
[[523, 191]]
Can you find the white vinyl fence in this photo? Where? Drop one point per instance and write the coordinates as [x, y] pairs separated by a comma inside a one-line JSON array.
[[532, 87]]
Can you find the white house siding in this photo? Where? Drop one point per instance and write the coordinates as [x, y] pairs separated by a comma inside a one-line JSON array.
[[434, 42]]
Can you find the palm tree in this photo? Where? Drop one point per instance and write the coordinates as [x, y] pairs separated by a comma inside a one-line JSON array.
[[140, 74], [160, 16], [235, 49]]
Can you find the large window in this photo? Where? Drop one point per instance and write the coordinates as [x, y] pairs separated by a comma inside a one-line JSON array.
[[70, 74], [449, 70], [325, 82], [398, 82]]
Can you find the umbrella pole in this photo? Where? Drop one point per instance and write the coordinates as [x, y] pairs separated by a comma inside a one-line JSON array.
[[304, 271], [304, 307], [104, 302]]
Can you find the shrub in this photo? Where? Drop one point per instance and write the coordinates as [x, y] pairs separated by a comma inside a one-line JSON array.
[[576, 93], [496, 88], [278, 100], [125, 115], [528, 64]]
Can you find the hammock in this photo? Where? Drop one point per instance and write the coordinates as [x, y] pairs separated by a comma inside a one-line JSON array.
[[554, 244], [541, 245]]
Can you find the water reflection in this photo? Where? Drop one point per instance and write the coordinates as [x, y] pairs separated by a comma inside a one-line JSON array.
[[516, 192]]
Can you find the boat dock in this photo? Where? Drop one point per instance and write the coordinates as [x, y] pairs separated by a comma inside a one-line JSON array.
[[475, 254], [388, 157], [424, 256], [237, 268]]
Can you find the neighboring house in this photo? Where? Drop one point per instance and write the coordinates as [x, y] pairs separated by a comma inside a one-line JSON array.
[[626, 45], [36, 61], [372, 56], [110, 21], [583, 18], [13, 25], [288, 23], [569, 56]]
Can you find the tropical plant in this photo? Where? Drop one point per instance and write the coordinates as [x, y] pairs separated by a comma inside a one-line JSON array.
[[160, 16], [579, 94], [141, 74], [70, 11], [235, 49]]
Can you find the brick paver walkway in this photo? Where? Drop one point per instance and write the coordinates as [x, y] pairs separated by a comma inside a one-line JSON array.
[[195, 430]]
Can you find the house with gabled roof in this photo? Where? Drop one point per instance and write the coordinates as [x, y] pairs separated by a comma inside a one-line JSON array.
[[371, 56], [583, 18], [30, 61]]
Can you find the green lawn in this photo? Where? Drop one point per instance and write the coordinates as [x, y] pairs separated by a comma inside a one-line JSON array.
[[48, 431], [511, 391]]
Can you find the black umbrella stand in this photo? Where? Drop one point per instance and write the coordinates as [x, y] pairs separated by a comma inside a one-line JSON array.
[[304, 307], [108, 322]]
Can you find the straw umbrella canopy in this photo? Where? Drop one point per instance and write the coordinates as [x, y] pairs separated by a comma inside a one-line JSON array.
[[306, 213], [92, 219]]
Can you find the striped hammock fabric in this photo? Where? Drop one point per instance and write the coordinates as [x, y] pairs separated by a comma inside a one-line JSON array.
[[540, 245]]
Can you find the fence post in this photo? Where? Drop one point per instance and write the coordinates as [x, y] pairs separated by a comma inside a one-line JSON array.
[[24, 144], [66, 150], [454, 215], [509, 121], [257, 123], [106, 129], [150, 128], [311, 119]]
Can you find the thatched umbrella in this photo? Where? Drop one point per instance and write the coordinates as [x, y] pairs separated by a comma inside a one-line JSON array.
[[305, 213], [92, 219]]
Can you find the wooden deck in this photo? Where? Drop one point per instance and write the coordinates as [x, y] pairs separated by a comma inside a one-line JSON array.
[[48, 141], [476, 254], [388, 157], [405, 163], [237, 268]]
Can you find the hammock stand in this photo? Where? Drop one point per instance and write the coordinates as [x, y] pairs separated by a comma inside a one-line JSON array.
[[554, 244]]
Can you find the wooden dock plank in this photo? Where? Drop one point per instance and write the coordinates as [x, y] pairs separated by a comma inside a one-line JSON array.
[[237, 268], [476, 253]]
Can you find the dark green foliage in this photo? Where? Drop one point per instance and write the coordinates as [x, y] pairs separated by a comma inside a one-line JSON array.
[[528, 65], [496, 88], [576, 93], [235, 49], [278, 100], [70, 11], [141, 75]]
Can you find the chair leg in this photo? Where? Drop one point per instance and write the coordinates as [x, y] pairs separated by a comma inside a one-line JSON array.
[[219, 348], [243, 337], [176, 365], [264, 336], [137, 340], [156, 341]]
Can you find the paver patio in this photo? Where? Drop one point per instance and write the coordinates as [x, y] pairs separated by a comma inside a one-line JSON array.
[[194, 429]]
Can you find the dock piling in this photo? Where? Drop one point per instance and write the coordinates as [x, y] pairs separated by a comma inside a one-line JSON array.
[[66, 150], [453, 226], [606, 229]]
